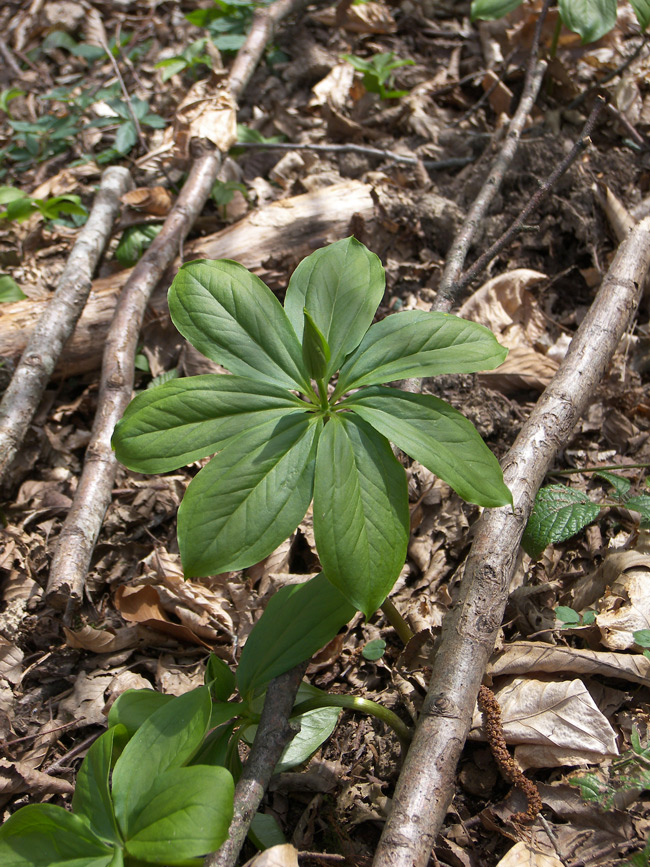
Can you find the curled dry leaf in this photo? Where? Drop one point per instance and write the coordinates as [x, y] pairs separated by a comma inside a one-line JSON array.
[[150, 200], [142, 605], [552, 714], [284, 855], [363, 18], [626, 608], [506, 306], [334, 89], [102, 640], [17, 777], [523, 855], [207, 113], [536, 657]]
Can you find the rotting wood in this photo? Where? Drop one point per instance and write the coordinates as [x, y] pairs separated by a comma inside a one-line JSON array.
[[295, 227], [83, 523], [426, 783], [56, 318]]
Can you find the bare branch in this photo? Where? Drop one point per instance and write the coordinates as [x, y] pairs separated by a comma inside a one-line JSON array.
[[426, 783], [273, 734], [58, 320]]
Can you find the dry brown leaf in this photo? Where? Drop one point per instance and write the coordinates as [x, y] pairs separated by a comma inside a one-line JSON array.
[[535, 657], [362, 18], [551, 713], [142, 605], [501, 97], [626, 608], [334, 89], [284, 855], [523, 855], [151, 200], [102, 640], [17, 777], [86, 703], [11, 661], [207, 113]]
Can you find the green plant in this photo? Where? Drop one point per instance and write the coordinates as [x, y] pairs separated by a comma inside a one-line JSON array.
[[194, 55], [127, 133], [10, 290], [134, 241], [142, 796], [20, 207], [378, 72], [570, 619], [223, 191], [629, 772], [591, 19], [227, 22], [560, 512], [6, 96], [283, 435]]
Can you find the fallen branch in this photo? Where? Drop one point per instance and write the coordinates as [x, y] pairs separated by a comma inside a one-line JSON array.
[[273, 734], [448, 292], [93, 495], [426, 782], [57, 321], [292, 227]]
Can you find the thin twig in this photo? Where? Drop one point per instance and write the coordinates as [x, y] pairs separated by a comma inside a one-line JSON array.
[[22, 397], [447, 290], [273, 734], [426, 783], [380, 153], [9, 59], [544, 189]]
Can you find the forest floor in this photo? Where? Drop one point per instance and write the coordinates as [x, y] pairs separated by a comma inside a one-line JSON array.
[[140, 623]]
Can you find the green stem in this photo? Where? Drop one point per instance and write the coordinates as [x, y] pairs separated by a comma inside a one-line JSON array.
[[598, 469], [396, 620], [353, 702], [556, 37], [322, 391]]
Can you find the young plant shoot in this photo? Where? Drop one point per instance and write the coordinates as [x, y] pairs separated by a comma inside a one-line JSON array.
[[306, 416]]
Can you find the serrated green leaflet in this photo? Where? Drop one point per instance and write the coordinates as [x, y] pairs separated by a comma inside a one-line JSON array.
[[415, 344], [590, 18], [559, 513], [488, 10], [233, 318], [250, 497], [620, 484], [361, 517], [167, 739], [44, 835], [341, 287], [186, 813], [92, 797], [439, 437], [188, 419], [297, 622]]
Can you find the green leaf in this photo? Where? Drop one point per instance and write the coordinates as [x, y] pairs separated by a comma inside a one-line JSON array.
[[297, 622], [621, 485], [219, 678], [223, 712], [361, 516], [374, 650], [315, 349], [559, 513], [167, 739], [92, 797], [44, 835], [265, 832], [10, 290], [134, 241], [134, 706], [640, 504], [315, 728], [250, 497], [341, 287], [567, 615], [642, 637], [11, 194], [233, 318], [187, 419], [642, 12], [589, 18], [417, 343], [185, 813], [126, 137], [439, 437], [488, 10]]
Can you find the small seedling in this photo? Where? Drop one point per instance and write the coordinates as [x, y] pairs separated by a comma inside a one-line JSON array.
[[222, 194], [127, 134], [134, 241], [629, 772], [304, 416], [20, 207], [188, 61], [6, 96], [561, 512], [571, 619], [227, 22], [591, 19], [378, 72]]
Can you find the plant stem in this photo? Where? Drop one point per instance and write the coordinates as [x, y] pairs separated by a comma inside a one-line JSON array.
[[322, 391], [556, 36], [353, 702], [598, 469], [396, 620]]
